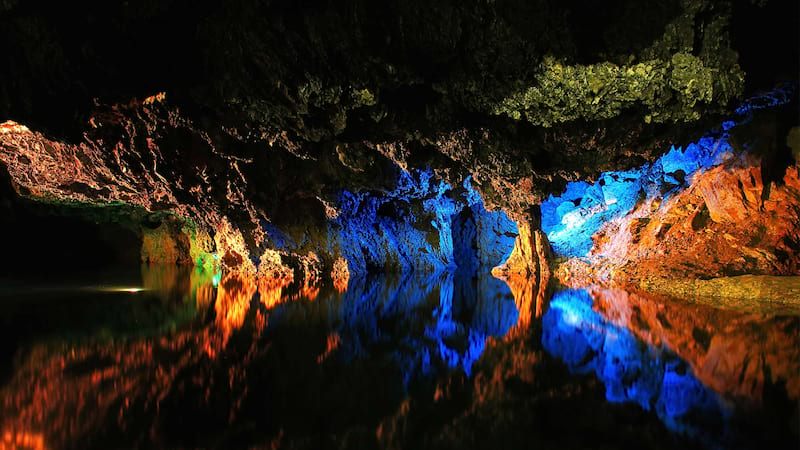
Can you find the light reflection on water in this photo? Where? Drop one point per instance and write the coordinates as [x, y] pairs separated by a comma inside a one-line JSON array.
[[226, 351], [632, 371]]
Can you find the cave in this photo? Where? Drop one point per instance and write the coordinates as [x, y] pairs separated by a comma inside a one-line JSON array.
[[400, 225]]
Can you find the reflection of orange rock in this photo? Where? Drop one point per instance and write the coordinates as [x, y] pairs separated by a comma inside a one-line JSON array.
[[233, 301], [70, 391], [162, 279], [340, 274], [271, 291], [77, 390], [275, 275], [19, 440], [734, 353], [201, 283], [308, 293], [170, 282], [311, 266], [332, 344], [529, 300]]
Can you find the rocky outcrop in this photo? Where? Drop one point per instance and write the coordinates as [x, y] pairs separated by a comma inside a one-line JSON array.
[[726, 223], [727, 205], [527, 273], [258, 154], [530, 255], [193, 216]]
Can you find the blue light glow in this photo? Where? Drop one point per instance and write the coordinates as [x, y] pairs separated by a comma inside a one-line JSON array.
[[420, 292], [631, 370], [571, 218], [424, 322], [423, 224]]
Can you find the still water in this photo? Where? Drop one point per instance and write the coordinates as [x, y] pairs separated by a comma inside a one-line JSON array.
[[171, 357]]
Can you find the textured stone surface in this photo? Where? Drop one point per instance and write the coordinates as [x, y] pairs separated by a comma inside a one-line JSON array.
[[525, 96], [733, 214], [695, 234]]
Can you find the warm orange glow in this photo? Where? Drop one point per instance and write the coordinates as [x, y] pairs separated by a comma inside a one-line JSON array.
[[271, 292], [523, 289], [131, 290], [19, 440], [10, 126], [232, 249], [333, 344], [730, 352], [340, 274], [527, 273], [155, 98], [202, 288], [233, 301]]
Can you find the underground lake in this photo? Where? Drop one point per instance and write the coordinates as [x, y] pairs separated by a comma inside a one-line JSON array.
[[409, 224]]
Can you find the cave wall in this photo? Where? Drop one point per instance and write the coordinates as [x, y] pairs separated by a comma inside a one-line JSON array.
[[258, 148], [424, 224], [726, 205], [524, 96], [572, 218]]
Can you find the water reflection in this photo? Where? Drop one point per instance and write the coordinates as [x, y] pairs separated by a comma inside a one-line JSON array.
[[705, 372], [428, 320], [630, 370], [199, 358]]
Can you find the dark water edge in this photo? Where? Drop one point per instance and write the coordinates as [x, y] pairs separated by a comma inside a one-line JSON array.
[[171, 357]]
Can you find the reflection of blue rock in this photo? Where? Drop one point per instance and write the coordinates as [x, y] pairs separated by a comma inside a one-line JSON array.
[[631, 370], [441, 304], [571, 218], [413, 226], [423, 322]]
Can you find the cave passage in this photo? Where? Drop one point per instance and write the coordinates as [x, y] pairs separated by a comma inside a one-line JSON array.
[[460, 224]]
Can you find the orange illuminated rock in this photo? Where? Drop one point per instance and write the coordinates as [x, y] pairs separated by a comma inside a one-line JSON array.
[[730, 196], [164, 245], [340, 274], [530, 254], [10, 126], [726, 223], [527, 273], [120, 169], [272, 270], [231, 248]]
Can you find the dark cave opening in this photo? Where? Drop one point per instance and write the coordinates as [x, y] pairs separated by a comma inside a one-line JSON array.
[[42, 241]]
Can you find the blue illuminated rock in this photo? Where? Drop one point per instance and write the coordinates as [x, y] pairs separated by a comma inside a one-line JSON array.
[[424, 224], [574, 217]]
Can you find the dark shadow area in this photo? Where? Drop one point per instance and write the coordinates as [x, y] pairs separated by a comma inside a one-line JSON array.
[[43, 241]]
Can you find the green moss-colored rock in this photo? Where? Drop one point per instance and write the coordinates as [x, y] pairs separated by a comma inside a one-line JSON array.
[[670, 91]]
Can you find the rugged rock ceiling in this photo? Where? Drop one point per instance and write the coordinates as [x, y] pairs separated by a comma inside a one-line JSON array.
[[239, 114]]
